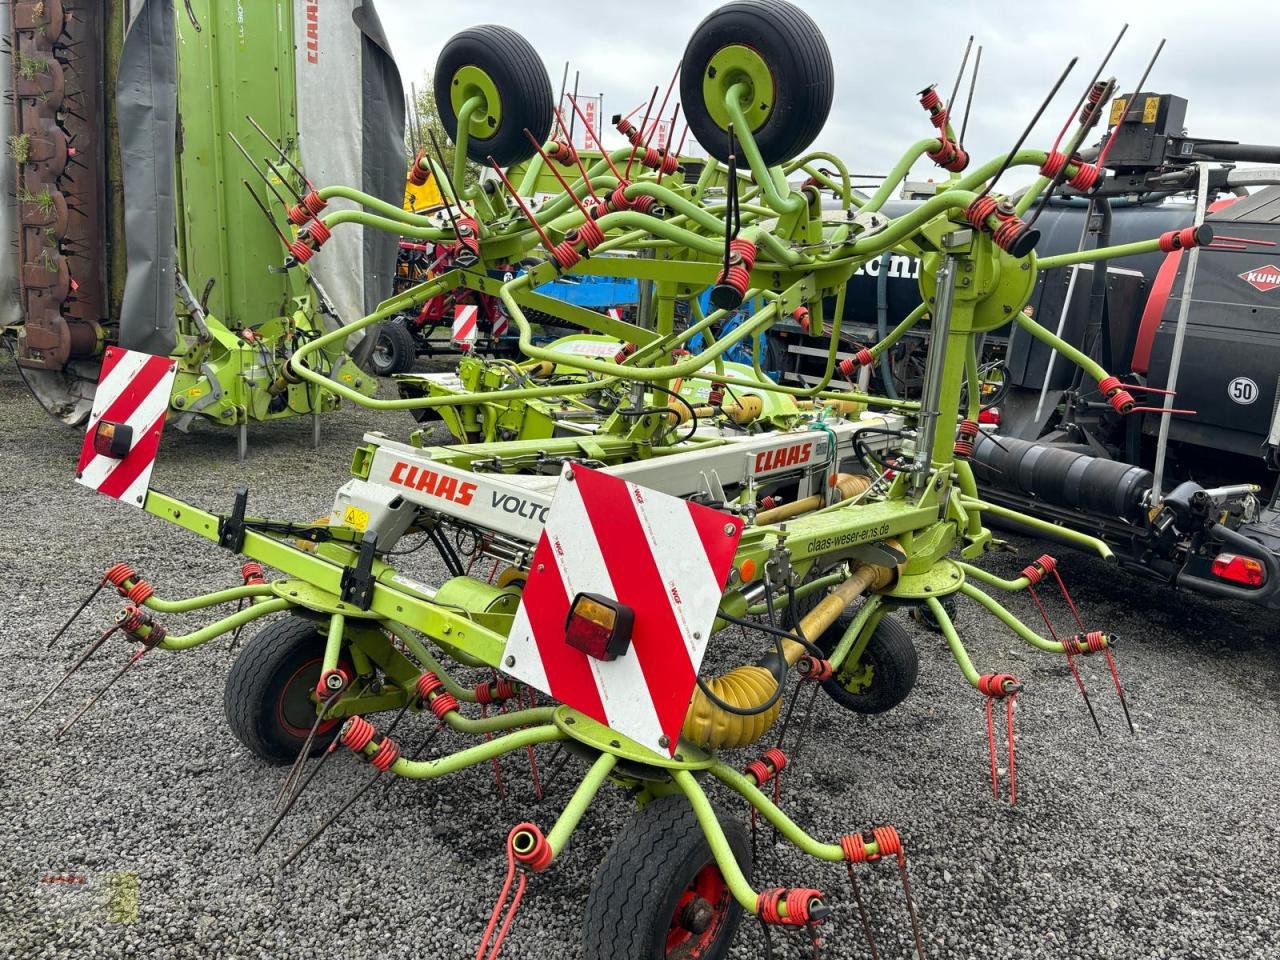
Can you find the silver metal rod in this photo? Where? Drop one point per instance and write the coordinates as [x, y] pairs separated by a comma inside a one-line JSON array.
[[930, 393], [1179, 336]]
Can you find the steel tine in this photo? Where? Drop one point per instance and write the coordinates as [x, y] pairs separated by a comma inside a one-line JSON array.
[[293, 798], [328, 823], [84, 656], [97, 696], [79, 610]]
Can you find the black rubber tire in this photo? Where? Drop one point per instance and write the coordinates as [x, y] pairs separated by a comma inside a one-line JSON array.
[[776, 358], [923, 616], [794, 50], [397, 346], [894, 667], [522, 83], [654, 859], [284, 650]]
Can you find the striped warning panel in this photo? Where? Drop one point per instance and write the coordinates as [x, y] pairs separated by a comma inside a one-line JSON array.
[[133, 390], [464, 325], [666, 559]]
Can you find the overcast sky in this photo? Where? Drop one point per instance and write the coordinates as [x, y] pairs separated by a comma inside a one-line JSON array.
[[1220, 56]]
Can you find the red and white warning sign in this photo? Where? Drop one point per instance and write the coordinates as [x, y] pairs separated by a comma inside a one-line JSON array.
[[500, 323], [129, 408], [464, 325], [663, 558]]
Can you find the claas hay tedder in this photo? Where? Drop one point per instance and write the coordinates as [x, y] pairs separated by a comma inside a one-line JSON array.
[[678, 496]]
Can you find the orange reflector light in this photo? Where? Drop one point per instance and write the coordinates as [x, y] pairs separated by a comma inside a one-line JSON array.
[[112, 440], [747, 570], [598, 626], [1238, 569]]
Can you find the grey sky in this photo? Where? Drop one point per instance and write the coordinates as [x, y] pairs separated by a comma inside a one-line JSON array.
[[1220, 56]]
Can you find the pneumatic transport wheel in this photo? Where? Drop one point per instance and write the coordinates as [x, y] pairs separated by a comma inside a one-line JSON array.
[[394, 351], [884, 674], [659, 893], [503, 68], [779, 55], [268, 696]]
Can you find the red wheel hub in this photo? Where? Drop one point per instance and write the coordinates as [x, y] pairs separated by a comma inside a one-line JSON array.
[[699, 916], [296, 706]]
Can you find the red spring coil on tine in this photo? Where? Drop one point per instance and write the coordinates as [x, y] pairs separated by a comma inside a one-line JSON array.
[[670, 164], [314, 203], [796, 900], [1178, 240], [598, 208], [118, 574], [565, 254], [767, 503], [442, 702], [357, 733], [715, 397], [1085, 177], [298, 215], [770, 763], [980, 210], [300, 251], [1008, 231], [1121, 400], [626, 350], [1091, 104], [539, 856], [931, 101], [590, 234], [252, 573], [814, 669], [643, 203], [738, 277], [131, 619], [499, 691], [652, 158], [993, 684], [1043, 566], [950, 156], [417, 175], [887, 842], [1094, 641], [140, 592], [565, 154], [745, 249], [388, 752], [849, 365], [618, 199], [962, 449], [629, 130]]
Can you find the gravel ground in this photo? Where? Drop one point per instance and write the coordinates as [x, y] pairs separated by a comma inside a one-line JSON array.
[[1161, 845]]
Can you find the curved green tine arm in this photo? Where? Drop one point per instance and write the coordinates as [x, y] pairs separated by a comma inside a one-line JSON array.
[[1078, 357], [1100, 253], [734, 878], [741, 784], [571, 816], [777, 192], [844, 187], [225, 625], [1050, 530], [1010, 621], [379, 207], [991, 580], [207, 600], [471, 756], [953, 640]]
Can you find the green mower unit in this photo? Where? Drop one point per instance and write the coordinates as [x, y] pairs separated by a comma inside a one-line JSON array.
[[221, 82], [616, 502]]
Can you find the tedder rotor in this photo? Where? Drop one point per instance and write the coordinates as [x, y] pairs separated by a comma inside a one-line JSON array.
[[666, 497]]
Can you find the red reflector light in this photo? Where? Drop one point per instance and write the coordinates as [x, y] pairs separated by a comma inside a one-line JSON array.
[[112, 440], [1238, 569], [598, 626], [990, 416]]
